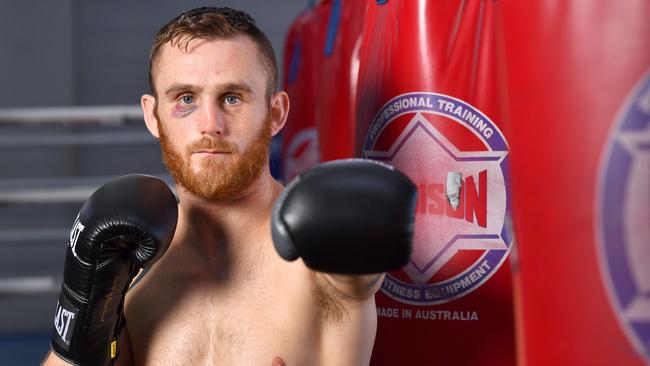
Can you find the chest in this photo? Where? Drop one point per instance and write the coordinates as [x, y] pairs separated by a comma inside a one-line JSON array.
[[244, 323]]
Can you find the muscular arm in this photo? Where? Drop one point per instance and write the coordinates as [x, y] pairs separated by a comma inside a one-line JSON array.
[[347, 317], [359, 287]]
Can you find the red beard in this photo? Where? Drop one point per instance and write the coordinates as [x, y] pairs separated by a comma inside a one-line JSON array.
[[220, 179]]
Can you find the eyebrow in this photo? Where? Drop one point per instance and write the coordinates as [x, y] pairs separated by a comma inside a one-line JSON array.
[[240, 87], [179, 88]]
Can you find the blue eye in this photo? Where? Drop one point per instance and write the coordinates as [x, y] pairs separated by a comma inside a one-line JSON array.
[[231, 99], [187, 99]]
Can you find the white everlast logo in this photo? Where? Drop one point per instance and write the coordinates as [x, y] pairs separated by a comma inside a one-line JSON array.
[[77, 228], [62, 322]]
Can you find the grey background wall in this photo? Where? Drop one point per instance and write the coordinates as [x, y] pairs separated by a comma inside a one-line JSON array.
[[95, 52]]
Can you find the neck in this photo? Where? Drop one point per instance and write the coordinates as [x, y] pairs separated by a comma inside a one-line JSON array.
[[233, 226]]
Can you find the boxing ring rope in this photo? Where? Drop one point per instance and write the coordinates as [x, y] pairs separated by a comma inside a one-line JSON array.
[[25, 286], [16, 191], [118, 114]]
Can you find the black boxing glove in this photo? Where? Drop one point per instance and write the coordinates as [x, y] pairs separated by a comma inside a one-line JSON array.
[[350, 216], [126, 224]]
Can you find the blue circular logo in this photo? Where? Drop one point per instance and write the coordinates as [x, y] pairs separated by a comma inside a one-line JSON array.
[[623, 217]]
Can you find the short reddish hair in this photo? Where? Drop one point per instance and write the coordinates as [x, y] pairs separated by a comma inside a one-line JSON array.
[[215, 23]]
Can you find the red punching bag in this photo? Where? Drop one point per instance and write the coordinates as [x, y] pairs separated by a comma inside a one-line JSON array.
[[302, 61], [579, 127], [337, 87], [429, 102]]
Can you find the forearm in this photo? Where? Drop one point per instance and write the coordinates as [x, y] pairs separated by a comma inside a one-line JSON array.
[[356, 287], [51, 359], [124, 358]]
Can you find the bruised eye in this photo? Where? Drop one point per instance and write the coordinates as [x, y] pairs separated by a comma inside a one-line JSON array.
[[231, 99], [187, 99]]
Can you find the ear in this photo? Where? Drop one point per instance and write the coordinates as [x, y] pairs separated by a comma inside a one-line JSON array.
[[148, 104], [279, 111]]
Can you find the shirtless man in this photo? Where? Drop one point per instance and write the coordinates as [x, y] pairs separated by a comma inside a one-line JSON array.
[[221, 294]]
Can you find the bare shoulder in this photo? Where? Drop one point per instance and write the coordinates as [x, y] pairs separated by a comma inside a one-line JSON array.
[[139, 296], [149, 287], [338, 295], [347, 320], [147, 306]]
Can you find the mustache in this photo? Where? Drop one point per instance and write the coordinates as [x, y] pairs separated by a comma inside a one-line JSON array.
[[212, 144]]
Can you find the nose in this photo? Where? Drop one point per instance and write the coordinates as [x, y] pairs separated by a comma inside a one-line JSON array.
[[212, 121]]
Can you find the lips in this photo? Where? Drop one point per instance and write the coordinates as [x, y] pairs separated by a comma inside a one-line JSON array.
[[211, 152]]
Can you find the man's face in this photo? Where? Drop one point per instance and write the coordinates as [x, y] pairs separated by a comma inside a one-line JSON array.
[[213, 116]]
